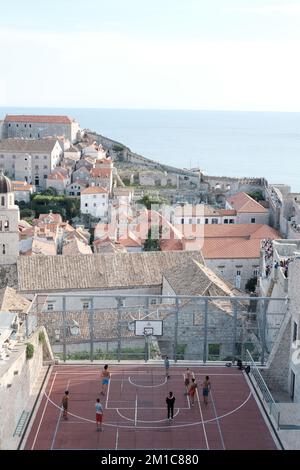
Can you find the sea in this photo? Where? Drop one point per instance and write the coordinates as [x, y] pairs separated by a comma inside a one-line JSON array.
[[221, 143]]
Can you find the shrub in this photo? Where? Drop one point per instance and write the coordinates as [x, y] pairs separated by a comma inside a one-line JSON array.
[[29, 350], [42, 337]]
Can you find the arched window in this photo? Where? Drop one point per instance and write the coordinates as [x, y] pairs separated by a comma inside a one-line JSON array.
[[3, 249], [6, 225]]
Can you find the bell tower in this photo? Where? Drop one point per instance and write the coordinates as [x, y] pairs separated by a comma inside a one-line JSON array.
[[9, 219]]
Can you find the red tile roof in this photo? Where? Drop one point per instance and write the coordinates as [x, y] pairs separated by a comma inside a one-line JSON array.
[[93, 190], [35, 118], [242, 202], [100, 172]]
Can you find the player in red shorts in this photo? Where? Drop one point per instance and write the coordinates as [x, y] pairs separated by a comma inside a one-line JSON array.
[[99, 414]]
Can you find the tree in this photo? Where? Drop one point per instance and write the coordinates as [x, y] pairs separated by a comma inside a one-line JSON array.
[[257, 195], [251, 284], [151, 244]]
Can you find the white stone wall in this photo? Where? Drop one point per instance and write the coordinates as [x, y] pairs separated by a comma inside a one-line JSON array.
[[75, 303], [94, 204], [17, 388], [9, 233], [245, 218], [23, 166], [294, 307], [33, 130], [228, 269]]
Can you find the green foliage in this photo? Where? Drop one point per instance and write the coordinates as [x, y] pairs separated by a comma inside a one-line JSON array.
[[126, 353], [68, 207], [257, 195], [251, 284], [42, 338], [152, 242], [27, 214], [49, 192], [29, 350], [180, 350], [148, 201], [118, 148]]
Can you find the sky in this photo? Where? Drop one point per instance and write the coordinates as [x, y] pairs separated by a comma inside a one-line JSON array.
[[157, 54]]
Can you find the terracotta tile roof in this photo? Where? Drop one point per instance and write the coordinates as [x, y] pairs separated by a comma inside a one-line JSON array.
[[193, 278], [93, 190], [100, 172], [36, 118], [11, 301], [76, 247], [97, 271], [21, 186], [243, 203], [27, 145], [225, 212], [229, 230]]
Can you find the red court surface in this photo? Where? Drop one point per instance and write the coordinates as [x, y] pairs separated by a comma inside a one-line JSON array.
[[135, 411]]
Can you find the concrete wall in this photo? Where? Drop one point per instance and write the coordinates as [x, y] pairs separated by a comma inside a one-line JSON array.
[[245, 218], [32, 130], [17, 388], [228, 269]]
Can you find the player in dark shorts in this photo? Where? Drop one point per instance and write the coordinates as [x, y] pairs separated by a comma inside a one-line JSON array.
[[65, 404], [170, 400], [206, 389]]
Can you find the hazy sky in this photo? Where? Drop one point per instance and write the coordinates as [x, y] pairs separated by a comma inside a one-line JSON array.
[[183, 54]]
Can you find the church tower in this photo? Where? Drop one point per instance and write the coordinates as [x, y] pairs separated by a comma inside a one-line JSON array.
[[9, 219]]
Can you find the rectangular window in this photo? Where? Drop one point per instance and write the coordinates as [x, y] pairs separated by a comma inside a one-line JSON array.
[[253, 220], [198, 221], [86, 204], [182, 221], [295, 331], [95, 205], [2, 200], [255, 272], [238, 273], [231, 221], [225, 221], [50, 307], [214, 221], [213, 351], [190, 221], [206, 221], [153, 302], [3, 249], [85, 305]]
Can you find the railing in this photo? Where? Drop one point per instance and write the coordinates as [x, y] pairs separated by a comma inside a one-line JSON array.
[[265, 394]]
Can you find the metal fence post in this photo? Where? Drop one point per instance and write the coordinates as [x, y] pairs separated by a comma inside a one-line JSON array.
[[119, 308], [91, 321], [263, 333], [234, 306], [64, 328], [176, 328], [205, 331]]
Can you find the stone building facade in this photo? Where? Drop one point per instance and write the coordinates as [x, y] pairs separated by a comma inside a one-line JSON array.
[[38, 127]]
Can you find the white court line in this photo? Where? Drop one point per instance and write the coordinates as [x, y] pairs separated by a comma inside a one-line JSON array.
[[187, 396], [107, 392], [117, 439], [40, 423], [219, 427], [146, 386], [135, 413], [58, 420], [142, 421], [184, 425], [141, 372], [114, 408], [204, 430]]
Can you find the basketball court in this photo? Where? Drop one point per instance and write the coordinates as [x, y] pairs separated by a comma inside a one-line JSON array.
[[135, 411]]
